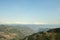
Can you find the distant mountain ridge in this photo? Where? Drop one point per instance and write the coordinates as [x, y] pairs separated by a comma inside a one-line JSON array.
[[36, 27]]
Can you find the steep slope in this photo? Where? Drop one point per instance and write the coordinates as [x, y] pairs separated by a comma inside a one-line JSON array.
[[52, 34]]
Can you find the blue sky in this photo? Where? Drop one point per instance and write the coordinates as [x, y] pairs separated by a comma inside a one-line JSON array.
[[30, 11]]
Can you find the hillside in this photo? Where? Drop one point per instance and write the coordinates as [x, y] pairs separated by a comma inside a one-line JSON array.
[[52, 34], [9, 32], [24, 32]]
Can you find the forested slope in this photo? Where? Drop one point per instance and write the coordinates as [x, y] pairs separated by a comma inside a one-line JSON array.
[[52, 34]]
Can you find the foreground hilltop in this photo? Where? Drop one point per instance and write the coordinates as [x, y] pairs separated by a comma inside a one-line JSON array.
[[52, 34]]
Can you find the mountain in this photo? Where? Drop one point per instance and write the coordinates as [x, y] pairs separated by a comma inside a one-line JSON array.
[[25, 29], [52, 34], [9, 32], [27, 32], [56, 30], [36, 27]]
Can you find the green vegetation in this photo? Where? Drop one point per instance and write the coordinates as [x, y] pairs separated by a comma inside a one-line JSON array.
[[52, 34], [8, 32], [25, 33]]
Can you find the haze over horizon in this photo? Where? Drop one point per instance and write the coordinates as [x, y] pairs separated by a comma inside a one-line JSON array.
[[30, 12]]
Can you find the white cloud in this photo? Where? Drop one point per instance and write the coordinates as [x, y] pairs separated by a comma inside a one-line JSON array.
[[18, 22], [9, 21]]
